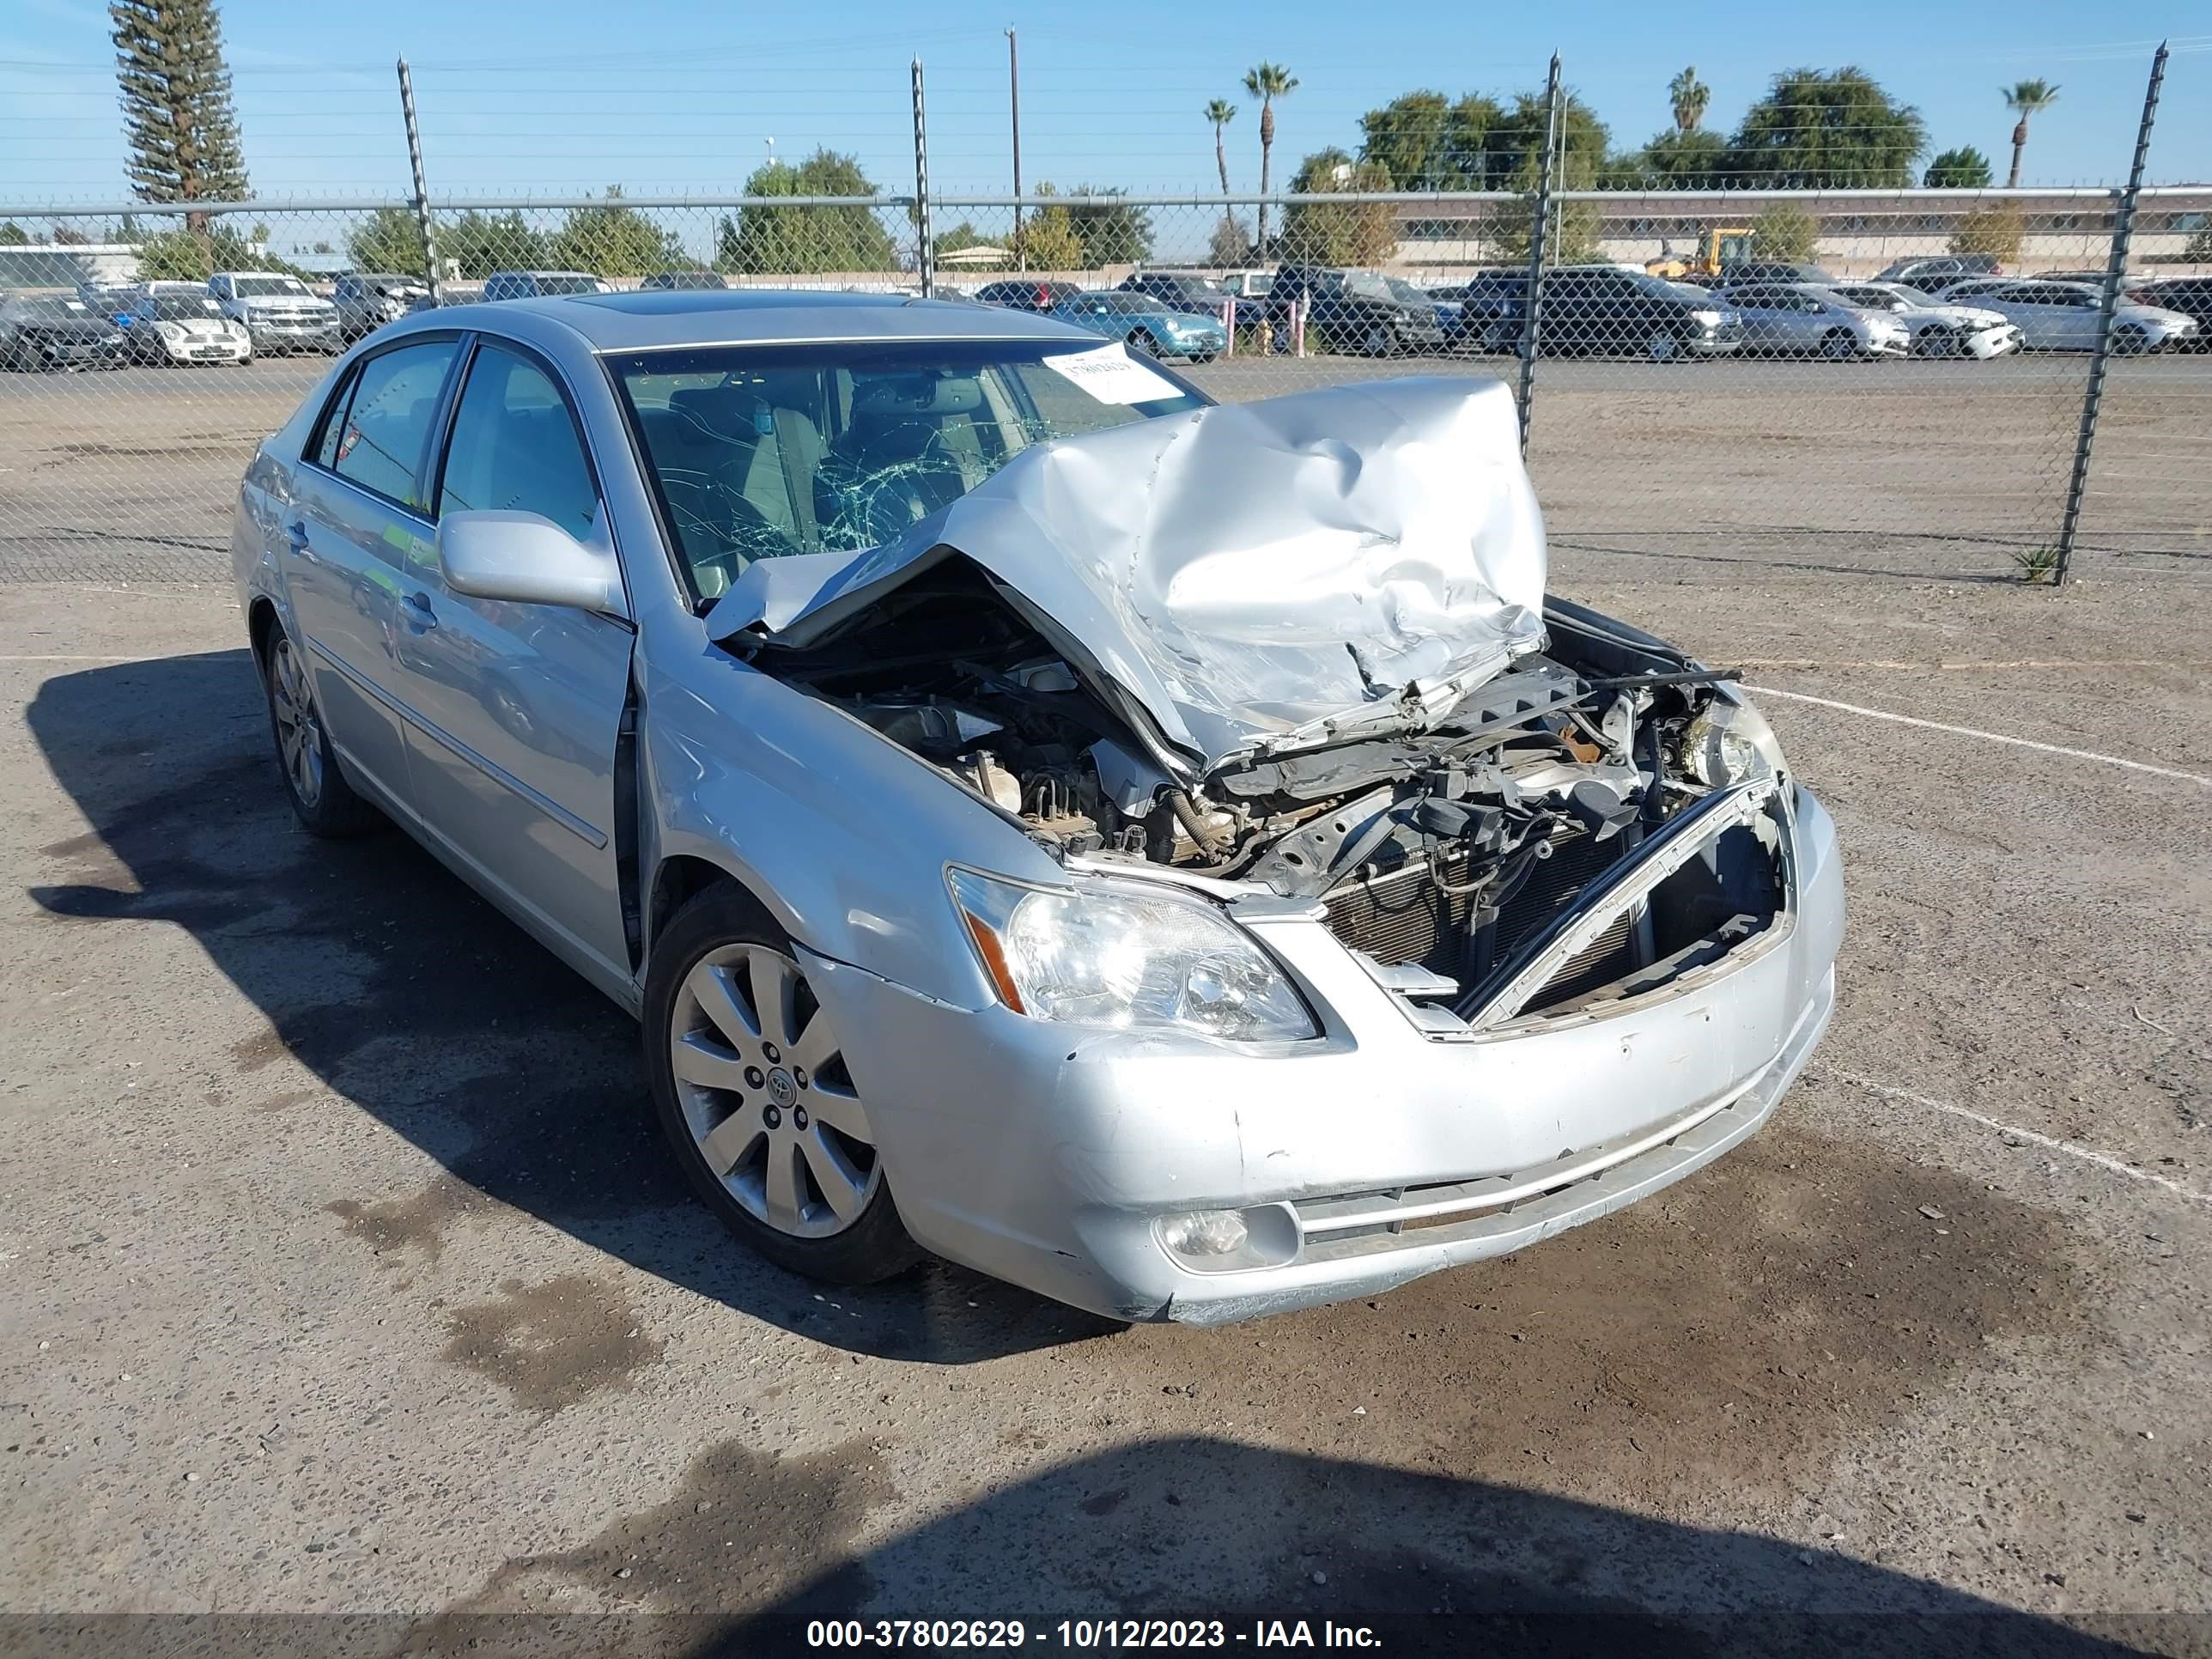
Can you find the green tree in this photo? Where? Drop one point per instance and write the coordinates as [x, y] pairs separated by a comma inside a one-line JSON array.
[[2024, 99], [1784, 231], [1686, 160], [1048, 240], [1424, 142], [1996, 231], [1827, 129], [1324, 233], [2199, 250], [614, 240], [387, 240], [1516, 146], [187, 256], [1689, 96], [12, 234], [1964, 168], [1266, 82], [177, 121], [1111, 232], [800, 241], [477, 244]]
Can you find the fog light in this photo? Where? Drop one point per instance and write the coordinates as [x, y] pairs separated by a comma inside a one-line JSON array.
[[1204, 1232]]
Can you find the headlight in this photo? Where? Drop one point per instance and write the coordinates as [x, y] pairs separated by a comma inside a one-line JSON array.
[[1706, 319], [1111, 954], [1730, 743]]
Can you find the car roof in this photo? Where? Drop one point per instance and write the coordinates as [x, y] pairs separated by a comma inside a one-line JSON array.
[[644, 320]]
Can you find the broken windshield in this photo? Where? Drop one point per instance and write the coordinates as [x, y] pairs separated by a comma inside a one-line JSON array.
[[762, 453]]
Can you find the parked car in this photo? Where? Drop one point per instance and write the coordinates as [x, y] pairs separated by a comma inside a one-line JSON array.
[[1147, 324], [687, 280], [2065, 316], [1805, 319], [938, 737], [1937, 329], [368, 299], [1183, 290], [111, 299], [278, 311], [1934, 274], [55, 331], [185, 328], [533, 284], [1027, 293], [1482, 314], [1353, 311], [1248, 285], [1608, 310], [2191, 296]]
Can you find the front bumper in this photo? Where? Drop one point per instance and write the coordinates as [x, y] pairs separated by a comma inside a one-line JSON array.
[[226, 350], [1048, 1154], [269, 333]]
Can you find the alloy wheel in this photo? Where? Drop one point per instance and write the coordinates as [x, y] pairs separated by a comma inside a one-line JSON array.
[[299, 733], [761, 1076], [1837, 345], [1662, 347]]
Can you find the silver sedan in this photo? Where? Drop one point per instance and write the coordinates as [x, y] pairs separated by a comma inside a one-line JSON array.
[[1173, 857], [1805, 319]]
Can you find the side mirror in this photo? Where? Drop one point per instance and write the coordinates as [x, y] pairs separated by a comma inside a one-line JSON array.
[[527, 559]]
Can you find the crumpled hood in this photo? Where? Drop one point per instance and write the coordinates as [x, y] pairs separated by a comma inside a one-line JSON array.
[[1242, 571]]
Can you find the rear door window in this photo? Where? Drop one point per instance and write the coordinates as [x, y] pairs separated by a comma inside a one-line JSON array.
[[384, 432]]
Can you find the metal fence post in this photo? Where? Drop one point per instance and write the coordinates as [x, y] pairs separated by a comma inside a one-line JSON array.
[[2124, 228], [1532, 304], [421, 191], [924, 258], [1014, 96]]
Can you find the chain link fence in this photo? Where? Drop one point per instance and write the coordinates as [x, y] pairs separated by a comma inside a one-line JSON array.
[[1697, 395]]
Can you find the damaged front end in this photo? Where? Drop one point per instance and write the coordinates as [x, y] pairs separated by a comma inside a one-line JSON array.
[[1320, 668]]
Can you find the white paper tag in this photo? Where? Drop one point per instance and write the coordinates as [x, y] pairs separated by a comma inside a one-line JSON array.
[[1112, 376]]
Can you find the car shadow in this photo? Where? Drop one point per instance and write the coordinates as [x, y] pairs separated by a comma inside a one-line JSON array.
[[1190, 1529], [413, 999]]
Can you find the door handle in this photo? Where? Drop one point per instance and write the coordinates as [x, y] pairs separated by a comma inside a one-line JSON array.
[[296, 533], [419, 617]]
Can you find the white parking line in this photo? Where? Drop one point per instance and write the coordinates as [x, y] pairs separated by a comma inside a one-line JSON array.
[[1987, 736], [2072, 1149]]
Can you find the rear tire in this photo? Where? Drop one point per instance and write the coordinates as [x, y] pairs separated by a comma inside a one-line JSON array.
[[749, 1148], [322, 800]]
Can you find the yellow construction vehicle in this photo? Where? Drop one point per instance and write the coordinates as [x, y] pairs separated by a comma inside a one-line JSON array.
[[1725, 246]]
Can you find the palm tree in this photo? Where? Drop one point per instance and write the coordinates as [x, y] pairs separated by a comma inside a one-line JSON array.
[[1689, 95], [1221, 113], [2026, 97], [1267, 82]]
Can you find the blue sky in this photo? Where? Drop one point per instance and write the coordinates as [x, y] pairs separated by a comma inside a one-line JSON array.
[[664, 95]]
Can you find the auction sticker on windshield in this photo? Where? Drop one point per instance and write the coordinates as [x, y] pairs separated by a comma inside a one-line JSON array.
[[1112, 376]]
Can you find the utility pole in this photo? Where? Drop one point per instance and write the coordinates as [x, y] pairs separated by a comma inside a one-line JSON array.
[[1014, 93], [925, 259], [422, 228]]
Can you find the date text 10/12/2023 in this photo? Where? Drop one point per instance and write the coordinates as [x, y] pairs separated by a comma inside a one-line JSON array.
[[1085, 1634]]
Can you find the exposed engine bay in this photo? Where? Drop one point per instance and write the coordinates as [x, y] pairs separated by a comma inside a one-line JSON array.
[[1444, 846]]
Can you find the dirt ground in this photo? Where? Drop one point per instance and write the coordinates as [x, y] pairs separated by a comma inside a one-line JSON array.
[[344, 1278]]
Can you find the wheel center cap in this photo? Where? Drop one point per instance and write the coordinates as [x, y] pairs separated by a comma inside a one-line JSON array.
[[781, 1089]]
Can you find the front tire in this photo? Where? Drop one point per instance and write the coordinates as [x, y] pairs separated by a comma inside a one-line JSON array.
[[750, 1084], [1664, 346], [2130, 341], [322, 800], [1378, 343], [1838, 346]]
